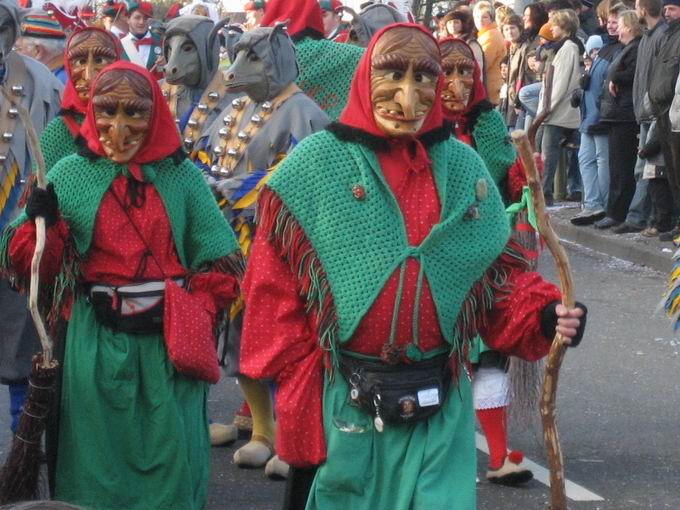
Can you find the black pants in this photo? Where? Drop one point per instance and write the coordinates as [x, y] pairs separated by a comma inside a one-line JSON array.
[[298, 486], [662, 204], [671, 156], [623, 145]]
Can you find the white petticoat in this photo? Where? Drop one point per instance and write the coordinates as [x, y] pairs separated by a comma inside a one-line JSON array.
[[490, 388]]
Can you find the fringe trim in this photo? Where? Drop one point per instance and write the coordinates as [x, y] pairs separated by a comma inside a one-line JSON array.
[[491, 288], [294, 248], [234, 263], [65, 285], [5, 263]]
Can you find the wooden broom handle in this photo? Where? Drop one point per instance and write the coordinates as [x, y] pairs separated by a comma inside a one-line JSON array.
[[40, 230], [558, 498]]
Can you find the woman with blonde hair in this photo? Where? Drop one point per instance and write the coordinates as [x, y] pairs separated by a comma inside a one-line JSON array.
[[618, 113], [491, 40], [555, 111]]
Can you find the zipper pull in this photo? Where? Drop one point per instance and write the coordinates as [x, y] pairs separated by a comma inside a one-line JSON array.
[[378, 421], [354, 381]]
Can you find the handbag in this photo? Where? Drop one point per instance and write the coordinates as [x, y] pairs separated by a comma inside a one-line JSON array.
[[188, 324], [396, 394], [188, 328]]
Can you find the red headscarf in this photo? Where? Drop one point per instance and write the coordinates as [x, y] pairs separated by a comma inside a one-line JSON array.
[[71, 100], [161, 141], [359, 110], [477, 95], [300, 15]]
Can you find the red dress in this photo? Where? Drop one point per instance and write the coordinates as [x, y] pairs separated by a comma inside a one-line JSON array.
[[280, 337]]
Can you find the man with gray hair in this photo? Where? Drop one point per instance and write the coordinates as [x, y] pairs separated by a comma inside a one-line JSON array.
[[43, 39]]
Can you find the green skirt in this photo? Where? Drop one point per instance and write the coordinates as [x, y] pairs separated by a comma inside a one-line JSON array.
[[429, 465], [133, 432]]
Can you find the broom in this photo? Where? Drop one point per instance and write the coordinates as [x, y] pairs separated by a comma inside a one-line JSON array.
[[19, 476]]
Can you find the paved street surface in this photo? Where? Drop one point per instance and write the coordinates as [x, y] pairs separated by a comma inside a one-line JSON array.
[[618, 405]]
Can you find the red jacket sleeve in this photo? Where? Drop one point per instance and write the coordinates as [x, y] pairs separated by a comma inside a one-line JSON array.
[[279, 342], [22, 246], [513, 326]]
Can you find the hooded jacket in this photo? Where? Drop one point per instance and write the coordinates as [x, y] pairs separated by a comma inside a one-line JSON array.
[[593, 87]]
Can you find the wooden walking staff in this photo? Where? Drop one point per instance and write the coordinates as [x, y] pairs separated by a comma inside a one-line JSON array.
[[19, 477], [558, 498]]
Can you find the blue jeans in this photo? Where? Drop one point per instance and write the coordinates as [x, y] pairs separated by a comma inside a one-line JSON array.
[[551, 150], [528, 96], [640, 207], [593, 158]]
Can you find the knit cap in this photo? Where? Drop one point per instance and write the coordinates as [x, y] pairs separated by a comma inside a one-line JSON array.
[[330, 5], [671, 2], [43, 26], [594, 42], [546, 32], [254, 5]]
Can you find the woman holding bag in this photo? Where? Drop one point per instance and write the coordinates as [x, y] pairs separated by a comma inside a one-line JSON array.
[[130, 222]]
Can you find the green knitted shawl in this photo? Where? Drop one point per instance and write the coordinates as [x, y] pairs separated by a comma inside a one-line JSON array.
[[201, 233], [56, 142], [326, 72], [493, 144], [360, 242]]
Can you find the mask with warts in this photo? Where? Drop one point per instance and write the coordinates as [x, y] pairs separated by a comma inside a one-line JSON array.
[[122, 118], [87, 58], [458, 69], [403, 83]]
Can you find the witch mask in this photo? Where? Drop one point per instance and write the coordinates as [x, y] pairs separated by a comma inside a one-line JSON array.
[[404, 72], [458, 64], [88, 53], [122, 109]]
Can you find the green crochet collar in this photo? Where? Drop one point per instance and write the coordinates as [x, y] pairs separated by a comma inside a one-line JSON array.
[[336, 194]]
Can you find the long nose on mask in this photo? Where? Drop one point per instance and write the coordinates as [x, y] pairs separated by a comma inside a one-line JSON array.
[[90, 70], [118, 132], [456, 88], [407, 97]]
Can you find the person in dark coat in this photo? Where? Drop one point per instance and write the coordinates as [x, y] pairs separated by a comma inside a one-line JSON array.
[[617, 112], [662, 81]]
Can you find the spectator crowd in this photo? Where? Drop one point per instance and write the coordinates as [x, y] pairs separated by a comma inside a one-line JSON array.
[[596, 85]]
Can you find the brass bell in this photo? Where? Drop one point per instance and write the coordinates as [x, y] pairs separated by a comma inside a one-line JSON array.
[[266, 106], [243, 136], [226, 171], [228, 120], [223, 133], [215, 169], [256, 119], [192, 123], [188, 143], [202, 107], [13, 113], [166, 93], [232, 152], [3, 158], [218, 150], [7, 137], [213, 96], [237, 104], [17, 90]]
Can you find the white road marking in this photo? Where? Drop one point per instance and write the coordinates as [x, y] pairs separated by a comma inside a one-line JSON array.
[[574, 491]]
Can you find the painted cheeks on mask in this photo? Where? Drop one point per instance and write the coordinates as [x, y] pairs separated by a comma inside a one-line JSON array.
[[403, 91], [86, 63], [459, 80], [122, 120]]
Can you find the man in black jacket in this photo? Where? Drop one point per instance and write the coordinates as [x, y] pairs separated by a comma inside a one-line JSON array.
[[662, 80]]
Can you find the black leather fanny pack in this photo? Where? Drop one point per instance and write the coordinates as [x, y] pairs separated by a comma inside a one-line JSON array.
[[397, 393]]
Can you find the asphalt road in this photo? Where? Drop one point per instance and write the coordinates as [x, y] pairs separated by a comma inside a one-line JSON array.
[[618, 406]]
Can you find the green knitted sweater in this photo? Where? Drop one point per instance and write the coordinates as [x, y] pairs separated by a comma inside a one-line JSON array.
[[493, 144], [359, 243], [326, 72], [202, 235], [57, 142]]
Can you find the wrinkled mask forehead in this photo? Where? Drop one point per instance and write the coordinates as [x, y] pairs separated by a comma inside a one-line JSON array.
[[404, 73], [458, 65], [8, 32]]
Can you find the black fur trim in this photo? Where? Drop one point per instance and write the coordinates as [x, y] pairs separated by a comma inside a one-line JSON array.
[[481, 107], [70, 111], [346, 133], [307, 32], [177, 157]]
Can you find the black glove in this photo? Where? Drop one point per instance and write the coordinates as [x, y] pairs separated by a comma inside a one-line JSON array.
[[549, 322], [43, 202], [576, 98], [651, 149]]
